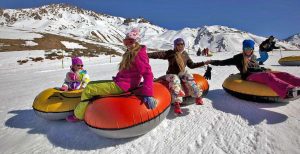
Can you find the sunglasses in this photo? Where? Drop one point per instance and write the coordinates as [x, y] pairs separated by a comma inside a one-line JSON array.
[[178, 44], [247, 49], [128, 41], [79, 65]]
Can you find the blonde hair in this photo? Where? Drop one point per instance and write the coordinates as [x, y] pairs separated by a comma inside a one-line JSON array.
[[179, 60], [128, 57], [245, 64], [246, 61]]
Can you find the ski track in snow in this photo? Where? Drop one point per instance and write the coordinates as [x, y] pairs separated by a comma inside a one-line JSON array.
[[224, 124]]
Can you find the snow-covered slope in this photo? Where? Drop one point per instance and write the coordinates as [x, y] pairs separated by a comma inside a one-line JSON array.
[[224, 124], [73, 21]]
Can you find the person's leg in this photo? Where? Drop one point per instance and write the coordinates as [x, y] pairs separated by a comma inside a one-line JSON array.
[[95, 88], [279, 86], [263, 57], [260, 55], [174, 84], [193, 89], [176, 91], [289, 78]]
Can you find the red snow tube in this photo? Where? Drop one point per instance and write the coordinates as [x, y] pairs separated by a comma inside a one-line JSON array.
[[127, 116]]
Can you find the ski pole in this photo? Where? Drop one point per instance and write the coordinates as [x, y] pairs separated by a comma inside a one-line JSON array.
[[280, 52]]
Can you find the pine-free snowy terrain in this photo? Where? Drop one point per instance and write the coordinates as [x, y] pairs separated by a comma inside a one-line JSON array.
[[224, 124]]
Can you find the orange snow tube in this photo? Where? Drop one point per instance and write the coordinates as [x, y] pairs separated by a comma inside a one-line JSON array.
[[127, 116], [201, 82]]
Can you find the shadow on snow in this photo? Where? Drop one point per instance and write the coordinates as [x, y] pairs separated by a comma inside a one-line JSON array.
[[252, 111], [61, 133]]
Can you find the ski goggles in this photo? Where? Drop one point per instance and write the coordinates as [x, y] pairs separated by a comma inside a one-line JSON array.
[[247, 49], [128, 41], [180, 44]]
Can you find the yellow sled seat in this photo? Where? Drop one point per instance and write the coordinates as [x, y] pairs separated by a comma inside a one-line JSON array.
[[252, 91], [53, 104], [290, 61]]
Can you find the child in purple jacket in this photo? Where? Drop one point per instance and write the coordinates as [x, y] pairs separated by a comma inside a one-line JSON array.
[[133, 67], [77, 77]]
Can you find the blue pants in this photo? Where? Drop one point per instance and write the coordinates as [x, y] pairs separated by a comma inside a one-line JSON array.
[[263, 56]]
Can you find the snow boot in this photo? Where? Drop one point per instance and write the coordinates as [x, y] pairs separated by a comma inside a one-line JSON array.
[[72, 118], [181, 93], [294, 92], [199, 101], [177, 109]]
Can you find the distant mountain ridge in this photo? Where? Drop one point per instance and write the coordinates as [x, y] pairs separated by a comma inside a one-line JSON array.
[[70, 20], [294, 39]]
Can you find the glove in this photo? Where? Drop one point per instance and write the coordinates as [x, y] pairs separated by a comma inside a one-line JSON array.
[[150, 101], [83, 72], [207, 74], [64, 88]]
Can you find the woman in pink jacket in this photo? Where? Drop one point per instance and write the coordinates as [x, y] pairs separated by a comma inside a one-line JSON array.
[[133, 67]]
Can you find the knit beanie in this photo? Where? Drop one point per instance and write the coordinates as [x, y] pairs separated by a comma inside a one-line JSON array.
[[177, 41], [248, 44], [76, 61], [133, 34]]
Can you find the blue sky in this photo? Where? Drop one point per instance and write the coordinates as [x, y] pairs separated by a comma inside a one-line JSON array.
[[280, 18]]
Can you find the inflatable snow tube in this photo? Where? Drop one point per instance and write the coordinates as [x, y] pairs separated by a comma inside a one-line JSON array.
[[127, 116], [290, 61], [201, 82], [251, 91], [53, 104]]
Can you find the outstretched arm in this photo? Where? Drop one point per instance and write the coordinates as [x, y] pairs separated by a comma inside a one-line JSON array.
[[229, 61], [158, 55], [191, 64], [273, 46]]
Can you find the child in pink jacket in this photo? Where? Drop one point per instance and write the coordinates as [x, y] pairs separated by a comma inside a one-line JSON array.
[[133, 67]]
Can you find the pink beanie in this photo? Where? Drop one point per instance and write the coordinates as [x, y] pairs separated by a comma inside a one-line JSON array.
[[76, 61], [133, 34]]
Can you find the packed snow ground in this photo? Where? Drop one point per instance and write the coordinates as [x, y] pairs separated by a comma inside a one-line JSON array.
[[224, 124]]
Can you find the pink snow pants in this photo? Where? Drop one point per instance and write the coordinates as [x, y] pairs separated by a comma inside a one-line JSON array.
[[280, 82]]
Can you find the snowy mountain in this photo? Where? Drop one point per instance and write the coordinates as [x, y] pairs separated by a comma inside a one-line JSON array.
[[294, 39], [224, 124], [72, 21]]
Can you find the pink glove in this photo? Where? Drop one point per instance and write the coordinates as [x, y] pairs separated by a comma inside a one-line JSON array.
[[64, 88]]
